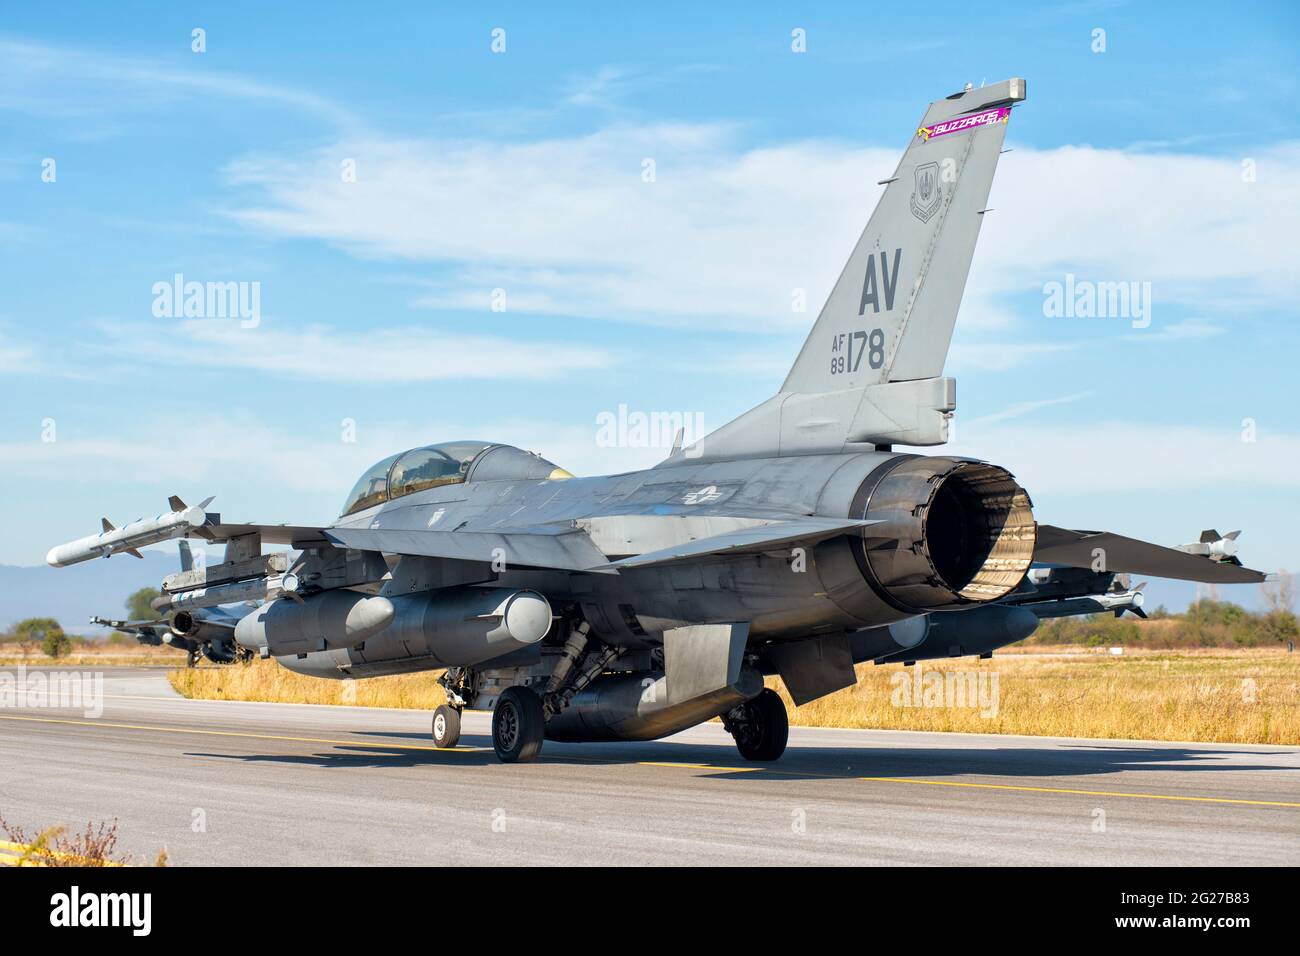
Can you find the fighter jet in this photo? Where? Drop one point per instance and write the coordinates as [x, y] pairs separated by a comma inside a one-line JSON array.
[[208, 632], [793, 541]]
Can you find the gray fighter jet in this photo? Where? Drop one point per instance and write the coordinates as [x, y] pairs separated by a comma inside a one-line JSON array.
[[206, 632], [794, 540]]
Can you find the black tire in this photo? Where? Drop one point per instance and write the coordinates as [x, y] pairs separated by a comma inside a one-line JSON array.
[[446, 727], [763, 728], [518, 725]]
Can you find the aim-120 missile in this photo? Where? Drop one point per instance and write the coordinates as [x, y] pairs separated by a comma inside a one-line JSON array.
[[1215, 546], [145, 531], [254, 589]]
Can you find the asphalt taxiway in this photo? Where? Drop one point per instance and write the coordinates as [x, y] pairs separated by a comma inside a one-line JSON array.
[[237, 783]]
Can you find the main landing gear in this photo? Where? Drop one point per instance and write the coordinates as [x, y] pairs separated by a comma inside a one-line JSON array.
[[759, 726], [518, 719], [518, 725]]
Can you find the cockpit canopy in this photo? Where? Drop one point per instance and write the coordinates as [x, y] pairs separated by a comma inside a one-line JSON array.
[[447, 463]]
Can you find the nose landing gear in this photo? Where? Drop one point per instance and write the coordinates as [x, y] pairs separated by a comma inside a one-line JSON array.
[[446, 727]]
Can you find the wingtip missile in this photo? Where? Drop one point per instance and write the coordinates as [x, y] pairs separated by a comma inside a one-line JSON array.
[[128, 539], [1217, 547]]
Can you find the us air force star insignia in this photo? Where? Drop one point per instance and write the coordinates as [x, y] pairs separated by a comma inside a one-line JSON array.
[[703, 496], [927, 193]]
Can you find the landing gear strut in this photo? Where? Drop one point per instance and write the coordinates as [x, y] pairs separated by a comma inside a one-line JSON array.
[[759, 726], [446, 727], [518, 725]]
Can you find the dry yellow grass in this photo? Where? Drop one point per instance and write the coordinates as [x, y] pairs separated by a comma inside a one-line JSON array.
[[1206, 695], [1214, 696], [267, 680], [92, 655]]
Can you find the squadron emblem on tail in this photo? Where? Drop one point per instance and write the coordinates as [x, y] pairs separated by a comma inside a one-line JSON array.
[[927, 194]]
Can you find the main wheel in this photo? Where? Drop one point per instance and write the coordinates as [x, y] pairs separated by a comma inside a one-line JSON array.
[[760, 726], [518, 725], [446, 726]]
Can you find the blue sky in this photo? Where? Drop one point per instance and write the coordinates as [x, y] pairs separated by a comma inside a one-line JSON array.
[[522, 171]]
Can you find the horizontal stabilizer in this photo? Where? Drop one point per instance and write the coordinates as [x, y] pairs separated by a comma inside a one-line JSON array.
[[1109, 552], [753, 540]]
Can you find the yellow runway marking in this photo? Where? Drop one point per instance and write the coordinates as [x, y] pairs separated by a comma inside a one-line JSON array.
[[698, 766], [236, 733], [680, 765], [1085, 793]]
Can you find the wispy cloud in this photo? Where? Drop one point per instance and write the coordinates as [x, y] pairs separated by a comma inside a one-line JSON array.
[[262, 469], [1119, 456], [1187, 330], [724, 235], [1003, 356], [599, 89], [392, 355], [1020, 409], [51, 80], [16, 356]]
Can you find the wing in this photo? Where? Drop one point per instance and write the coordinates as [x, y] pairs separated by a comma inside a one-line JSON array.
[[296, 536], [130, 627], [570, 545], [752, 540], [561, 546], [1084, 549]]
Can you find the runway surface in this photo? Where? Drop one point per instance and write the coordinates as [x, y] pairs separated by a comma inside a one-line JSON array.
[[235, 783]]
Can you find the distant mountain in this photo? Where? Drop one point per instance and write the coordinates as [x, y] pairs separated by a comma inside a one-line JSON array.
[[72, 595]]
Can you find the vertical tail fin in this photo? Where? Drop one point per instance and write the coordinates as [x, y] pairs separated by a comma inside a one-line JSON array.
[[891, 314], [870, 371]]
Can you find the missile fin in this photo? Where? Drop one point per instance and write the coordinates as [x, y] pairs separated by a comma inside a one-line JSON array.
[[134, 553], [107, 525], [176, 503]]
